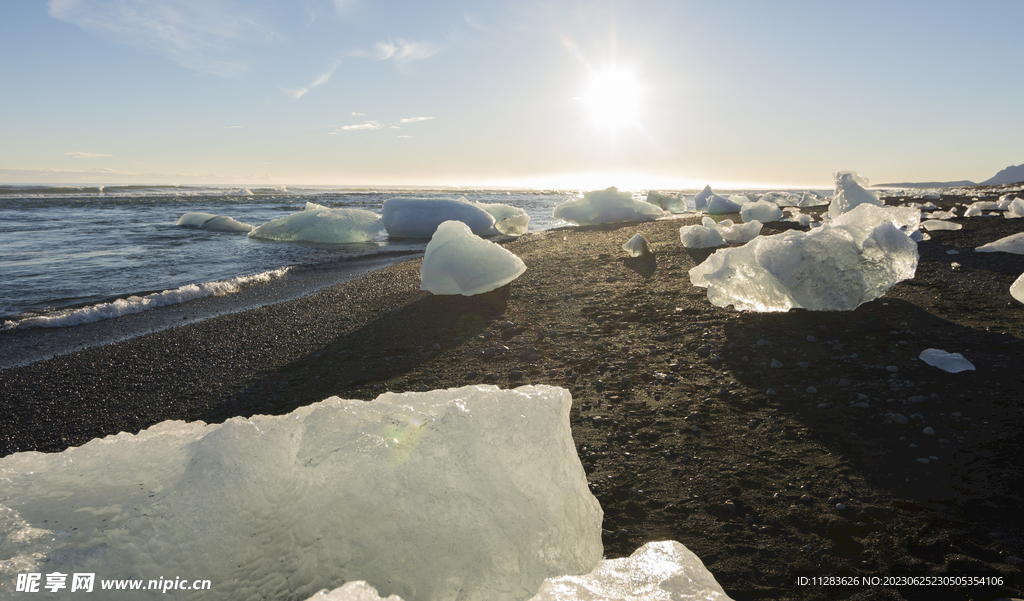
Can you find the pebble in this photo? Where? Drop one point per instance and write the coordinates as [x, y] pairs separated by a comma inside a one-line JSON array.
[[861, 405], [776, 364], [892, 368], [704, 351], [845, 382], [763, 342], [771, 392], [923, 460], [807, 498], [730, 506], [811, 390], [898, 418], [840, 506], [928, 431], [811, 339], [804, 365]]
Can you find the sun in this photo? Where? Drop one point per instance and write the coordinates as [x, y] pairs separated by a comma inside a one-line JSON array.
[[613, 98]]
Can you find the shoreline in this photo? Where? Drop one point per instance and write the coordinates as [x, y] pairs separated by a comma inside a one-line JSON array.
[[672, 415]]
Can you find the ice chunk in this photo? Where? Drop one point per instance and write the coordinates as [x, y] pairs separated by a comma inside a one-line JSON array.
[[850, 193], [701, 236], [419, 217], [1017, 289], [739, 233], [938, 224], [638, 246], [718, 205], [606, 206], [700, 201], [323, 225], [951, 213], [762, 211], [1011, 244], [459, 262], [851, 260], [659, 571], [670, 202], [472, 493], [951, 362], [209, 221], [508, 220], [1015, 209]]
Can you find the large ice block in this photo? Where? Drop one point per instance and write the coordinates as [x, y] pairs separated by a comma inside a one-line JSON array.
[[419, 217], [458, 262], [472, 493], [853, 259], [606, 206], [322, 225], [216, 223]]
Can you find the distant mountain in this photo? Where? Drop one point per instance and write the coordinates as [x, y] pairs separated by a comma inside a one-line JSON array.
[[1011, 175]]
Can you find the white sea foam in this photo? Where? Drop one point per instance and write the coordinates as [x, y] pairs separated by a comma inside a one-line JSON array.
[[138, 304]]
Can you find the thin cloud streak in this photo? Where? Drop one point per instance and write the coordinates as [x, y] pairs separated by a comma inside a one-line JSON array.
[[414, 119], [204, 35], [86, 155], [321, 79], [400, 51]]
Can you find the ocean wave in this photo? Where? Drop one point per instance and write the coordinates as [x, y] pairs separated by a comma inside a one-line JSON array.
[[138, 304]]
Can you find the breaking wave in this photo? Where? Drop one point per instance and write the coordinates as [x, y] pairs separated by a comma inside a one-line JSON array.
[[138, 304]]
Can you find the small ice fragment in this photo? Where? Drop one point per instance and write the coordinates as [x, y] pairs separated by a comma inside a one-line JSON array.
[[948, 362], [937, 224], [216, 223], [700, 236], [1010, 244], [1017, 289], [638, 246], [762, 211], [850, 193]]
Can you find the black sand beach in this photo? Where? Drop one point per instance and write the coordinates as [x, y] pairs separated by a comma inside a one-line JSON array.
[[684, 428]]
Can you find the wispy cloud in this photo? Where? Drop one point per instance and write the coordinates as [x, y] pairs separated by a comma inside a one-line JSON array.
[[320, 80], [205, 35], [400, 51], [414, 119], [86, 155], [232, 127], [358, 114], [364, 125]]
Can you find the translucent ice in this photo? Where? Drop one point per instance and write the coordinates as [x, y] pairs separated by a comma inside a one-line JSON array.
[[1015, 209], [419, 217], [795, 199], [669, 202], [209, 221], [938, 224], [508, 220], [719, 204], [637, 246], [606, 206], [459, 262], [850, 193], [853, 259], [1010, 244], [473, 493], [1017, 289], [701, 236], [762, 211], [950, 362], [322, 224], [739, 233]]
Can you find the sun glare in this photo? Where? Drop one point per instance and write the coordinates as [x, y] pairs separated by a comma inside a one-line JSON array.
[[613, 98]]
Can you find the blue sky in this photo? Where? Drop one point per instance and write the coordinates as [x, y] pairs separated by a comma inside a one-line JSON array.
[[638, 94]]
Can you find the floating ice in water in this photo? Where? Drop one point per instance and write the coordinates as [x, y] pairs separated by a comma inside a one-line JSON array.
[[850, 193], [638, 246], [459, 262], [739, 233], [216, 223], [937, 224], [719, 204], [1015, 209], [1010, 244], [606, 206], [950, 362], [1017, 289], [322, 225], [419, 217], [705, 235], [762, 211], [473, 493], [670, 202], [851, 260], [508, 220]]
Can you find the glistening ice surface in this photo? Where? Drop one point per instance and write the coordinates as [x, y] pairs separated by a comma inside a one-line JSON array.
[[606, 206], [460, 262], [469, 493]]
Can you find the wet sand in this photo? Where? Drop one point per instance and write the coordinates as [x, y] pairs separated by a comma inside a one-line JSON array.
[[684, 428]]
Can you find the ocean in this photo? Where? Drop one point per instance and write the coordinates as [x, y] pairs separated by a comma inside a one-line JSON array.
[[71, 257]]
